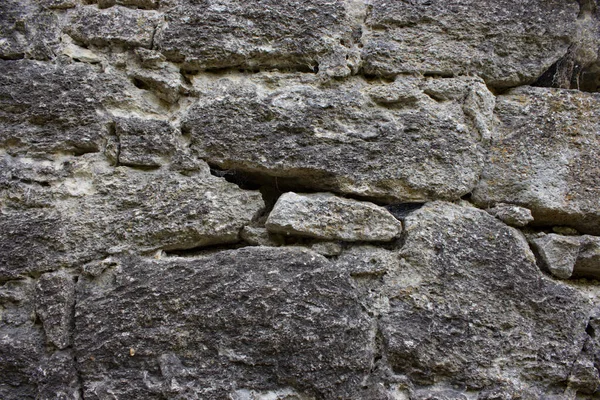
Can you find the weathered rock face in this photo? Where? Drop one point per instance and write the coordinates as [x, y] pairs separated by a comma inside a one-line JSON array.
[[258, 318], [545, 157], [507, 43], [468, 298], [276, 200], [412, 140], [324, 216]]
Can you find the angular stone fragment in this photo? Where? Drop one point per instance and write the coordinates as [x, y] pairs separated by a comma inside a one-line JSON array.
[[55, 299], [256, 318], [477, 309], [27, 30], [143, 142], [511, 215], [337, 138], [588, 259], [304, 34], [113, 26], [507, 43], [92, 210], [545, 157], [329, 217], [558, 253]]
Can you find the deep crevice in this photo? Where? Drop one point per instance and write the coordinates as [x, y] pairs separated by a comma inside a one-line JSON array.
[[205, 250]]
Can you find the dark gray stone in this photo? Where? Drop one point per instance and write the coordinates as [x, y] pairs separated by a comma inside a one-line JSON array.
[[55, 299], [256, 318]]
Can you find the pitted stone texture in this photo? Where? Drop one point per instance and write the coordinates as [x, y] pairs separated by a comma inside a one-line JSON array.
[[55, 299], [143, 142], [507, 43], [91, 210], [46, 108], [567, 256], [329, 217], [27, 31], [472, 308], [545, 157], [511, 214], [113, 26], [300, 34], [336, 137], [256, 319]]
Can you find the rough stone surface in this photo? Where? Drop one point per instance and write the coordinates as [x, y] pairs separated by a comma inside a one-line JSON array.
[[338, 137], [463, 274], [544, 156], [301, 34], [153, 244], [55, 301], [96, 210], [325, 216], [566, 256], [114, 26], [270, 318], [512, 215], [507, 43]]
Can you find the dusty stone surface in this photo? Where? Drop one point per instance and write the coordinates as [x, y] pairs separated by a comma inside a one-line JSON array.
[[113, 26], [325, 216], [470, 275], [152, 245], [505, 42], [93, 210], [542, 159], [262, 316], [55, 301], [303, 34], [567, 256], [512, 215], [337, 137]]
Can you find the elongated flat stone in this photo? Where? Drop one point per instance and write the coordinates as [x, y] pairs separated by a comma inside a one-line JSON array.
[[325, 216]]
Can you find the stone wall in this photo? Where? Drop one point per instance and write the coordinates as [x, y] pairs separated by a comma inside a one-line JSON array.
[[299, 199]]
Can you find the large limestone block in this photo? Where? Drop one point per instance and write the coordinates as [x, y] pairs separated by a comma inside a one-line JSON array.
[[46, 108], [469, 306], [116, 25], [85, 210], [329, 217], [545, 157], [506, 42], [410, 140], [257, 318], [300, 34]]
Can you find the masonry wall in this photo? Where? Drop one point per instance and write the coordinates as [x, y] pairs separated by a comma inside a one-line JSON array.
[[303, 199]]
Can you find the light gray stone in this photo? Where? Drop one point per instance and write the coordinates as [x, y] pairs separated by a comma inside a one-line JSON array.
[[114, 26], [543, 157], [511, 214], [466, 274], [329, 217], [261, 318], [335, 137], [507, 43], [558, 253]]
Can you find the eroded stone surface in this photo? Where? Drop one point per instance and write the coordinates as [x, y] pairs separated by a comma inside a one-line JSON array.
[[545, 156], [113, 26], [268, 318], [326, 216], [507, 43], [463, 274], [90, 210], [302, 34], [337, 137]]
